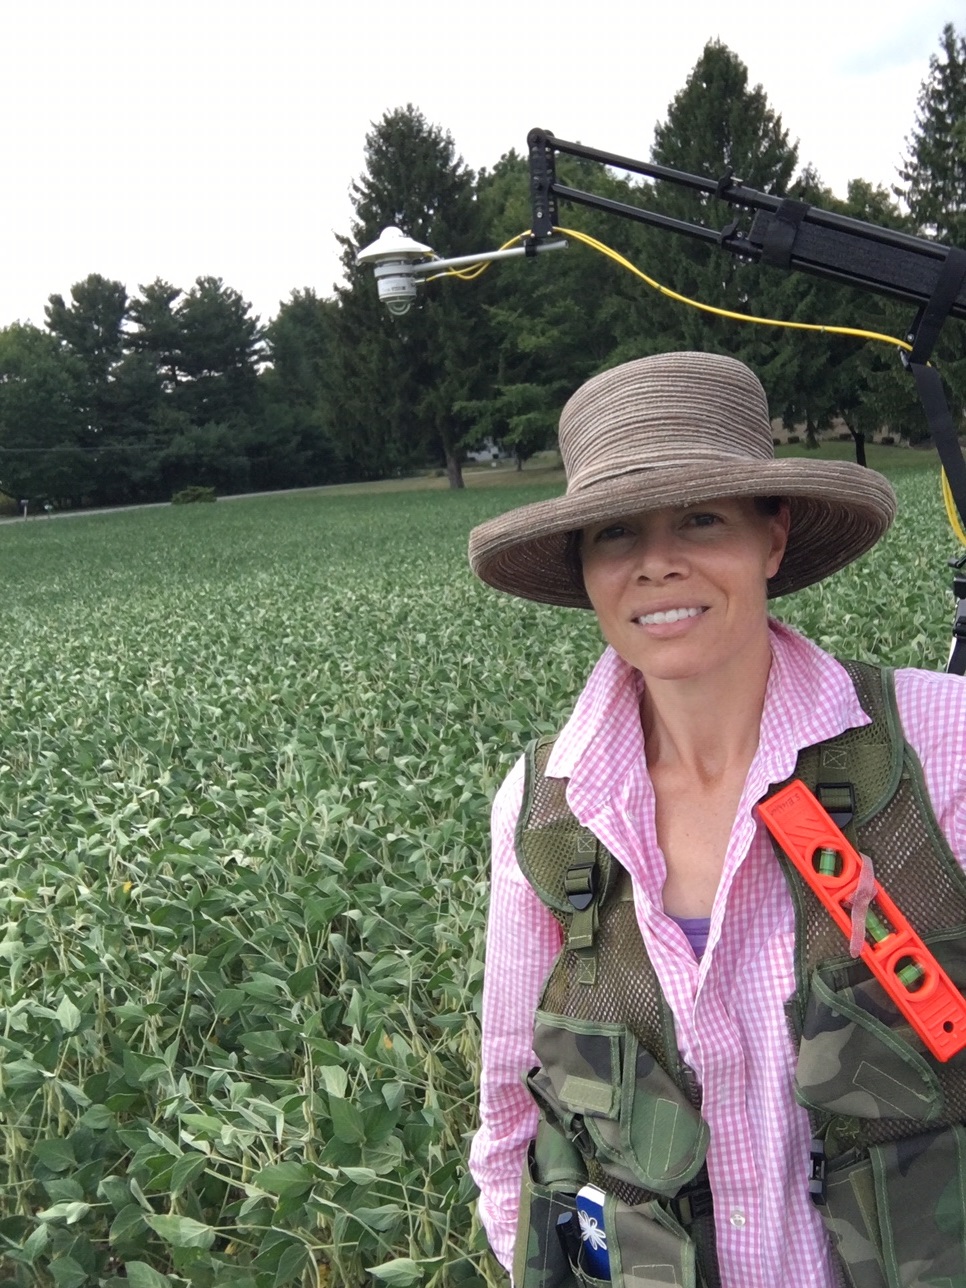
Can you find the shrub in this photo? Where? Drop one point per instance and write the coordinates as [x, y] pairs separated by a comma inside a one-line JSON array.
[[189, 495]]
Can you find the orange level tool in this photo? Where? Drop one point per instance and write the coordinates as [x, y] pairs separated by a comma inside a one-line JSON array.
[[892, 950]]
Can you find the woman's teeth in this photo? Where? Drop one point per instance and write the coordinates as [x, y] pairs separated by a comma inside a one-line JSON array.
[[672, 615]]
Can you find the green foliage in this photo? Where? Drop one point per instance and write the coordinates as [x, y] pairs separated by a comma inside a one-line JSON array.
[[934, 180], [558, 320], [249, 755], [123, 400], [192, 495], [220, 344]]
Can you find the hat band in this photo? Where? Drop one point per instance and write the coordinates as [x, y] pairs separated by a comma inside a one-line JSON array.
[[584, 479]]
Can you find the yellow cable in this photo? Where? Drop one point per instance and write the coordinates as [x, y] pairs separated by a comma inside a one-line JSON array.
[[726, 313], [951, 514], [470, 274]]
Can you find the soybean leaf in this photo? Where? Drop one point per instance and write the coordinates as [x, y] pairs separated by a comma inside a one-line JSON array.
[[181, 1231]]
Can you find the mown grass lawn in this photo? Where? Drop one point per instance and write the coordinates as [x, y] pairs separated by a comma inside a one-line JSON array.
[[248, 753]]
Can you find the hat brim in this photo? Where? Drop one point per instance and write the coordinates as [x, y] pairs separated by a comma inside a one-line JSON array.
[[838, 511]]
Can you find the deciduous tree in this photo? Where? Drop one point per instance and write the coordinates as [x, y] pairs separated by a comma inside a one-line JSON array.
[[42, 426], [297, 442]]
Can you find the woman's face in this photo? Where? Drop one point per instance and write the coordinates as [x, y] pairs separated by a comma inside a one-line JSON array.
[[681, 592]]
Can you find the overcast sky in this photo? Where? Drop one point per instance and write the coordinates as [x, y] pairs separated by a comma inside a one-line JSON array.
[[221, 136]]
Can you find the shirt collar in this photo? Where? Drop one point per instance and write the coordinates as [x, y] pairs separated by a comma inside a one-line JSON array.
[[809, 698]]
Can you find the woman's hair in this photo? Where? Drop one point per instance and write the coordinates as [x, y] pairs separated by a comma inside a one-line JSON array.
[[572, 559], [766, 505]]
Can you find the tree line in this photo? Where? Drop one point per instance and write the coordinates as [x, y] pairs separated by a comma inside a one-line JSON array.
[[122, 398]]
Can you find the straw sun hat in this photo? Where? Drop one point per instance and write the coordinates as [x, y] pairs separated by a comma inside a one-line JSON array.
[[669, 430]]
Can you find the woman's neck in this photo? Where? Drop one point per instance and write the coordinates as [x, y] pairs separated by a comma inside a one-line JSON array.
[[704, 727]]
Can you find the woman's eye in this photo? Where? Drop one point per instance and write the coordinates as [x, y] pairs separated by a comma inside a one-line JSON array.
[[611, 533], [702, 520]]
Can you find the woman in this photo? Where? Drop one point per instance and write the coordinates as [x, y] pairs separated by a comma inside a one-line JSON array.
[[633, 876]]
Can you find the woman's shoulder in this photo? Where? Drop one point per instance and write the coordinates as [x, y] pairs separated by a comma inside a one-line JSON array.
[[932, 711], [931, 703]]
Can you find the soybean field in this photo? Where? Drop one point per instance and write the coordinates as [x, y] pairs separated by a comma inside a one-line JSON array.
[[248, 751]]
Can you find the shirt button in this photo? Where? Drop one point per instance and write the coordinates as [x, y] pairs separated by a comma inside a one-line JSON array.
[[737, 1218]]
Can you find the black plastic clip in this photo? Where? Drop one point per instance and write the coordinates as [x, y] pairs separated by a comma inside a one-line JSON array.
[[569, 1238], [694, 1200], [581, 882], [957, 652], [817, 1172], [838, 801], [959, 576]]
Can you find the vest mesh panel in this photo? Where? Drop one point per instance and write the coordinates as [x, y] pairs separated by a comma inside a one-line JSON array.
[[625, 990]]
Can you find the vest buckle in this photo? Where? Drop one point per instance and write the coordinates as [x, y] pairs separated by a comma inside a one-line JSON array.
[[694, 1200], [818, 1169], [838, 801], [581, 883]]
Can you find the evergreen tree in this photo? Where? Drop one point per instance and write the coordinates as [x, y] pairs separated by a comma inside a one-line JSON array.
[[220, 346], [934, 182], [201, 351], [91, 327], [115, 391], [716, 126], [157, 331], [403, 377], [821, 379], [934, 173], [558, 319]]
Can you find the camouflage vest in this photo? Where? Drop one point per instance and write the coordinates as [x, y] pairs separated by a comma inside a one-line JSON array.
[[619, 1108]]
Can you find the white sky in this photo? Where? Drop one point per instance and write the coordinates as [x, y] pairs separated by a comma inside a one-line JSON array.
[[174, 139]]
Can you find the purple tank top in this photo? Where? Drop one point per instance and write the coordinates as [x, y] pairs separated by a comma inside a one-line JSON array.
[[696, 929]]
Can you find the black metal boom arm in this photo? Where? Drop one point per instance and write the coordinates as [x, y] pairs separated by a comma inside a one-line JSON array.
[[783, 232]]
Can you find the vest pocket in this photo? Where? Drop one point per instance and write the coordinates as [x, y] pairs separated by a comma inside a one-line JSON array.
[[616, 1103], [919, 1186], [647, 1247], [851, 1219], [553, 1172], [898, 1217], [852, 1061]]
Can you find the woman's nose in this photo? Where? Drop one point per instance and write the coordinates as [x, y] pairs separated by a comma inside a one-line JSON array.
[[660, 557]]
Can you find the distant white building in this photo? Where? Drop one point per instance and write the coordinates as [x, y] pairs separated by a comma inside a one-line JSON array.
[[487, 451]]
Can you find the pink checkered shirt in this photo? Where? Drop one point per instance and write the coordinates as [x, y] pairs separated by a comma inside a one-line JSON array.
[[728, 1008]]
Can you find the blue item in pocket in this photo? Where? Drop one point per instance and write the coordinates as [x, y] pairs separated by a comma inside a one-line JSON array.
[[593, 1236]]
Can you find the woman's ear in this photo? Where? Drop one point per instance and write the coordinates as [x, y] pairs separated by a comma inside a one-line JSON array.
[[780, 525]]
